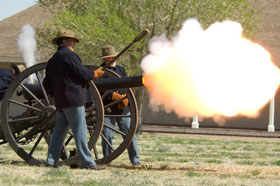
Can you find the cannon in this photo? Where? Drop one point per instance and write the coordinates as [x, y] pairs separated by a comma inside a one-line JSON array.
[[28, 117]]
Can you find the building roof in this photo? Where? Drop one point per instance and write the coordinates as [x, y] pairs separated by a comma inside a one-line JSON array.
[[10, 28]]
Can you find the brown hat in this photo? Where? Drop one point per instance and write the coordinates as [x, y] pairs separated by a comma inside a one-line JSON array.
[[17, 68], [64, 34], [108, 51]]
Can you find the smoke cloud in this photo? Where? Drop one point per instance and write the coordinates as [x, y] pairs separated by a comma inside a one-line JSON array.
[[209, 73], [27, 45]]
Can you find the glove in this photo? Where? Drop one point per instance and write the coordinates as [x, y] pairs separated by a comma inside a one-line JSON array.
[[117, 96], [123, 104], [98, 73]]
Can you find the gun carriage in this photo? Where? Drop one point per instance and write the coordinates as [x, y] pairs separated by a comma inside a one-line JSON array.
[[28, 117]]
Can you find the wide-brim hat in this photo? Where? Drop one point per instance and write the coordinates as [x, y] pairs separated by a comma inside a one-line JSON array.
[[65, 34], [108, 51], [17, 69]]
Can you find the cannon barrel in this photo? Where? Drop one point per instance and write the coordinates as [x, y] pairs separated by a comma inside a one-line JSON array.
[[101, 84], [115, 83]]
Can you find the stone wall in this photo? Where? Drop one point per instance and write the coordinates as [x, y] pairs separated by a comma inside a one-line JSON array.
[[269, 33]]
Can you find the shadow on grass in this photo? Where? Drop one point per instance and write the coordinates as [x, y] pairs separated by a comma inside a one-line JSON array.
[[161, 168], [13, 162], [131, 167]]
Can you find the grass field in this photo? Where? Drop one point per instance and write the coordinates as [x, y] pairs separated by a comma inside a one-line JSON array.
[[167, 159]]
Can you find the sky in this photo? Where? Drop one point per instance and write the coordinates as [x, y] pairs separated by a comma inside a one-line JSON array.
[[11, 7]]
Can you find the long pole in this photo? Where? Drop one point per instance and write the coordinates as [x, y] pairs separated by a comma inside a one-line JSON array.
[[140, 36]]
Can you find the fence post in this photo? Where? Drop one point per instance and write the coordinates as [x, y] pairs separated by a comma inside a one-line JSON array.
[[271, 127], [195, 123]]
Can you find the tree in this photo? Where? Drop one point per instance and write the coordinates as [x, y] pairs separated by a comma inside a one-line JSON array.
[[102, 22], [117, 22]]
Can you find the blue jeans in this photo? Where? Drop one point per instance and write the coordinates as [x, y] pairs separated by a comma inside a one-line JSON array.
[[124, 124], [73, 117]]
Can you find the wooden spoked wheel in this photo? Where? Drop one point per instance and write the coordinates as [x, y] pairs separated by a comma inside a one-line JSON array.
[[28, 117], [121, 139]]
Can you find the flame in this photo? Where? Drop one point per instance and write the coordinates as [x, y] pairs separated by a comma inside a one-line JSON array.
[[209, 72]]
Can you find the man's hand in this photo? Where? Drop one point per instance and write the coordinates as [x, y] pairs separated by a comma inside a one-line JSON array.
[[124, 103], [98, 73], [117, 96]]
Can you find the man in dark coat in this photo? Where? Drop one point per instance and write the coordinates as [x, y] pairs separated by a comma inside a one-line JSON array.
[[7, 75], [108, 52], [66, 80]]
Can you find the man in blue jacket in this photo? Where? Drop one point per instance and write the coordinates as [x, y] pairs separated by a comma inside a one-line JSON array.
[[7, 76], [66, 80], [108, 53]]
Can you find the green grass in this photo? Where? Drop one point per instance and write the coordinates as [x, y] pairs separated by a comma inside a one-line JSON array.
[[167, 160], [277, 163]]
